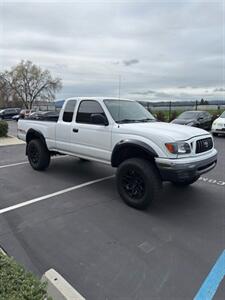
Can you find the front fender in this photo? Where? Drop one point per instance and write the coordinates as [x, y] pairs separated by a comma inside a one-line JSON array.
[[131, 144]]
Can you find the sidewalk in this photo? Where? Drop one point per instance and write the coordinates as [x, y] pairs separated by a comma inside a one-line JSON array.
[[10, 140]]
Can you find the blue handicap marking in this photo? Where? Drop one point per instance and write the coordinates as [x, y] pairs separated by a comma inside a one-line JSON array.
[[212, 281]]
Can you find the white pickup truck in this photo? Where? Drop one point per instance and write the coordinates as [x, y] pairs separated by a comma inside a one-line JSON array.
[[125, 135]]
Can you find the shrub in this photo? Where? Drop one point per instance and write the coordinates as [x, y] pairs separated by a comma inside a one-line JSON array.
[[17, 284], [160, 116], [3, 128], [215, 115], [173, 116]]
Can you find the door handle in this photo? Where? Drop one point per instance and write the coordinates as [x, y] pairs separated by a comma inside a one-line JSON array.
[[75, 130]]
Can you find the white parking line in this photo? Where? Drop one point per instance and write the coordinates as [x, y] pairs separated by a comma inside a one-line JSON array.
[[13, 207], [13, 165], [212, 181], [26, 162]]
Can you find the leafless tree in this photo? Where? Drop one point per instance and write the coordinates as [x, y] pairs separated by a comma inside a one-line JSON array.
[[5, 94], [30, 83]]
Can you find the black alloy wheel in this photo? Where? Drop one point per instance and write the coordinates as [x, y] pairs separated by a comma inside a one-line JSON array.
[[138, 182], [38, 155]]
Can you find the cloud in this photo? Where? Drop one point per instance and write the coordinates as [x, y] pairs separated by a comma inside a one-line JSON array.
[[154, 94], [179, 45], [188, 87], [219, 90], [116, 62], [131, 62], [144, 93]]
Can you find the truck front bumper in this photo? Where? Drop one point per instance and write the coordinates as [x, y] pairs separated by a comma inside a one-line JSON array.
[[182, 169]]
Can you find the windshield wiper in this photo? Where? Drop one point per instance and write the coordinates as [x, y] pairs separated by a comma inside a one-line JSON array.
[[127, 121], [146, 120], [135, 120]]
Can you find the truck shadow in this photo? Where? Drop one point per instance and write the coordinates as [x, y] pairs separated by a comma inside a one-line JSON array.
[[71, 167], [176, 199], [174, 202]]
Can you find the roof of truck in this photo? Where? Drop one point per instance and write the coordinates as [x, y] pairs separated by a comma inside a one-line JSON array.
[[99, 98]]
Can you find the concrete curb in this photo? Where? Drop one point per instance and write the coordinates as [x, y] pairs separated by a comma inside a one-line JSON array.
[[58, 288], [2, 251], [10, 140]]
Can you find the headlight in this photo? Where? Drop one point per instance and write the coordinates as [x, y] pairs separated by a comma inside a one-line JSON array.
[[178, 148], [190, 124]]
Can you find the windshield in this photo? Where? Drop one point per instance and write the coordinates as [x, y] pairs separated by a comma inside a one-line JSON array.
[[189, 115], [223, 115], [126, 111]]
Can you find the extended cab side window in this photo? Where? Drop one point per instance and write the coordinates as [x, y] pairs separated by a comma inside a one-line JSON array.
[[86, 109], [69, 110]]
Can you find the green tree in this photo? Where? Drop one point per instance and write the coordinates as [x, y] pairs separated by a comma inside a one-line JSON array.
[[203, 102], [173, 115], [30, 83], [160, 116]]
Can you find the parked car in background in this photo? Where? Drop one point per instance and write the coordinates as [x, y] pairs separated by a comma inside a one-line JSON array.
[[218, 125], [24, 113], [45, 116], [8, 113], [16, 117], [201, 119]]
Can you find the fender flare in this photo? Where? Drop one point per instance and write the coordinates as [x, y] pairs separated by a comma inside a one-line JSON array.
[[131, 143], [34, 134]]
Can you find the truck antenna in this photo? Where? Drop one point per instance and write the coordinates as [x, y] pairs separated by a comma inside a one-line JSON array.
[[119, 89]]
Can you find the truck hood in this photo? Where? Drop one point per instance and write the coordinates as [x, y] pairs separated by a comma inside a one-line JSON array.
[[165, 131]]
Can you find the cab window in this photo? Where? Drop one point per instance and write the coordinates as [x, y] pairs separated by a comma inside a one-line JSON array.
[[69, 111], [86, 109]]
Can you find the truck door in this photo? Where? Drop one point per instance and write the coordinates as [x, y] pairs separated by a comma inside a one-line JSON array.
[[64, 127], [88, 138]]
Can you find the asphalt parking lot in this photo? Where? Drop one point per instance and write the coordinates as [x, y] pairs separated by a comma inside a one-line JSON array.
[[106, 250]]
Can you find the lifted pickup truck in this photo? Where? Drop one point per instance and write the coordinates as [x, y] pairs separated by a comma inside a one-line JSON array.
[[125, 135]]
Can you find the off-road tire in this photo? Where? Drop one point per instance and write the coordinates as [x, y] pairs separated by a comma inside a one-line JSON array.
[[138, 182], [38, 155]]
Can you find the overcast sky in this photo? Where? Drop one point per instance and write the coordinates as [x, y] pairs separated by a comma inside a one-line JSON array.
[[161, 49]]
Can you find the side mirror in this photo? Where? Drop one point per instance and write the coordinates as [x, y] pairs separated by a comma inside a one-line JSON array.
[[200, 118], [99, 119]]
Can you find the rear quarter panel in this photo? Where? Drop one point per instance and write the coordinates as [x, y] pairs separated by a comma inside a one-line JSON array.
[[47, 129]]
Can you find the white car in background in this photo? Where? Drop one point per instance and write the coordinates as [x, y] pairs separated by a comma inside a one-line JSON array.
[[218, 125]]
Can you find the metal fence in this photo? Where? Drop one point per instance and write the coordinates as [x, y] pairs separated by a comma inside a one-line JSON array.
[[172, 106]]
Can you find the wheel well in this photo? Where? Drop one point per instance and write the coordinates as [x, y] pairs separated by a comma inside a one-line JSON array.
[[127, 152], [33, 134]]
